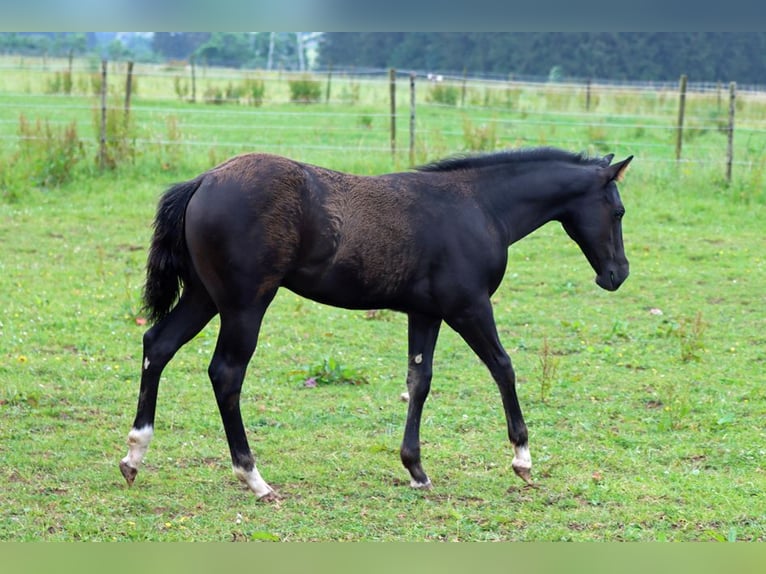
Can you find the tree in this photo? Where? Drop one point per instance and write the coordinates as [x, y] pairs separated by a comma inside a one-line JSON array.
[[178, 45], [657, 56], [227, 49]]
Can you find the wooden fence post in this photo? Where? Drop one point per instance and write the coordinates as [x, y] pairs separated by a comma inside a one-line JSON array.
[[128, 90], [587, 95], [681, 107], [412, 119], [730, 134], [392, 81], [193, 80], [462, 92], [102, 137], [329, 81]]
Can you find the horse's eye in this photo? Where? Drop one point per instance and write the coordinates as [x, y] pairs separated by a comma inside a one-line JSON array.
[[618, 213]]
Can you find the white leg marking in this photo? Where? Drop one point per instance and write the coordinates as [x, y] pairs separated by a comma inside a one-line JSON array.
[[253, 480], [405, 397], [522, 459], [418, 358], [146, 363], [138, 443], [420, 485]]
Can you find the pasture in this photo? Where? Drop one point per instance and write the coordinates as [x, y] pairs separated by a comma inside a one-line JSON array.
[[645, 407]]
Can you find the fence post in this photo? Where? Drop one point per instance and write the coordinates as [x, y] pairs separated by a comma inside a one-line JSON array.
[[102, 137], [681, 107], [392, 81], [462, 92], [329, 81], [730, 135], [587, 95], [128, 90], [412, 118], [194, 80]]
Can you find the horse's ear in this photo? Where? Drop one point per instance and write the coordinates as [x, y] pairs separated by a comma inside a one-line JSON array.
[[607, 159], [617, 171]]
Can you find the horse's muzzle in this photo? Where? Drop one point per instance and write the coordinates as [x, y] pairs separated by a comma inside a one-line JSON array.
[[613, 277]]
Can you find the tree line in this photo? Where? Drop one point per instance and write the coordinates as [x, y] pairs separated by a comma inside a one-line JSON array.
[[633, 56], [641, 56]]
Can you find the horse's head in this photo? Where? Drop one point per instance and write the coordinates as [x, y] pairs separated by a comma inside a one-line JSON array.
[[594, 221]]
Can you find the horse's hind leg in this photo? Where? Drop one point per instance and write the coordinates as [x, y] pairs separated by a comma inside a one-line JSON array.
[[193, 311], [477, 327], [236, 344]]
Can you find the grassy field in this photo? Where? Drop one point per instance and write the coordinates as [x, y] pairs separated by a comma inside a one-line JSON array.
[[645, 406]]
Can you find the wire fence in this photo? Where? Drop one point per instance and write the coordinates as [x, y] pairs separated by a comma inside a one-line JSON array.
[[351, 111]]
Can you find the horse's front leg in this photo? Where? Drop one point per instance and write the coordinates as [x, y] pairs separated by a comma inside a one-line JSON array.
[[477, 327], [422, 334]]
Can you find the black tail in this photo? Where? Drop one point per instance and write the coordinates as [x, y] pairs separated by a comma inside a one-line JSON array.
[[168, 266]]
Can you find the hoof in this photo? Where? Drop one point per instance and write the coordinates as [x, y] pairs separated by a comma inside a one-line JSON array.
[[128, 472], [524, 473], [269, 497], [421, 485]]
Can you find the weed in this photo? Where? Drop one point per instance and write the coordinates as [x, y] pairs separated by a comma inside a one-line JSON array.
[[676, 409], [548, 368], [181, 87], [479, 138], [350, 93], [690, 336], [50, 154], [365, 122], [171, 153], [332, 372]]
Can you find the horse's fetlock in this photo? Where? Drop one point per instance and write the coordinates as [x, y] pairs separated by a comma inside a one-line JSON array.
[[409, 456]]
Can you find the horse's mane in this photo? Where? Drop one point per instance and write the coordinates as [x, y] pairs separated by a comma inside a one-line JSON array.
[[509, 157]]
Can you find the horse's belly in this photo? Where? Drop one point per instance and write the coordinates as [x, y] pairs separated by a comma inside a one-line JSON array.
[[346, 287]]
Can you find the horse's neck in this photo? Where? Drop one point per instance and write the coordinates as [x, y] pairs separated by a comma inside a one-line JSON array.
[[521, 209]]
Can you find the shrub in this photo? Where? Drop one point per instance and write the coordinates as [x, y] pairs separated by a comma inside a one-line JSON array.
[[60, 83], [254, 89], [50, 153], [443, 94], [305, 90], [120, 145], [213, 95]]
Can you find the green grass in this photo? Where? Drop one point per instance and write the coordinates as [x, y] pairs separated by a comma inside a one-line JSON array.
[[650, 427]]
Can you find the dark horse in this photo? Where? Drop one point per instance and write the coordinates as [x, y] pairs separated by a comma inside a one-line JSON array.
[[432, 243]]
